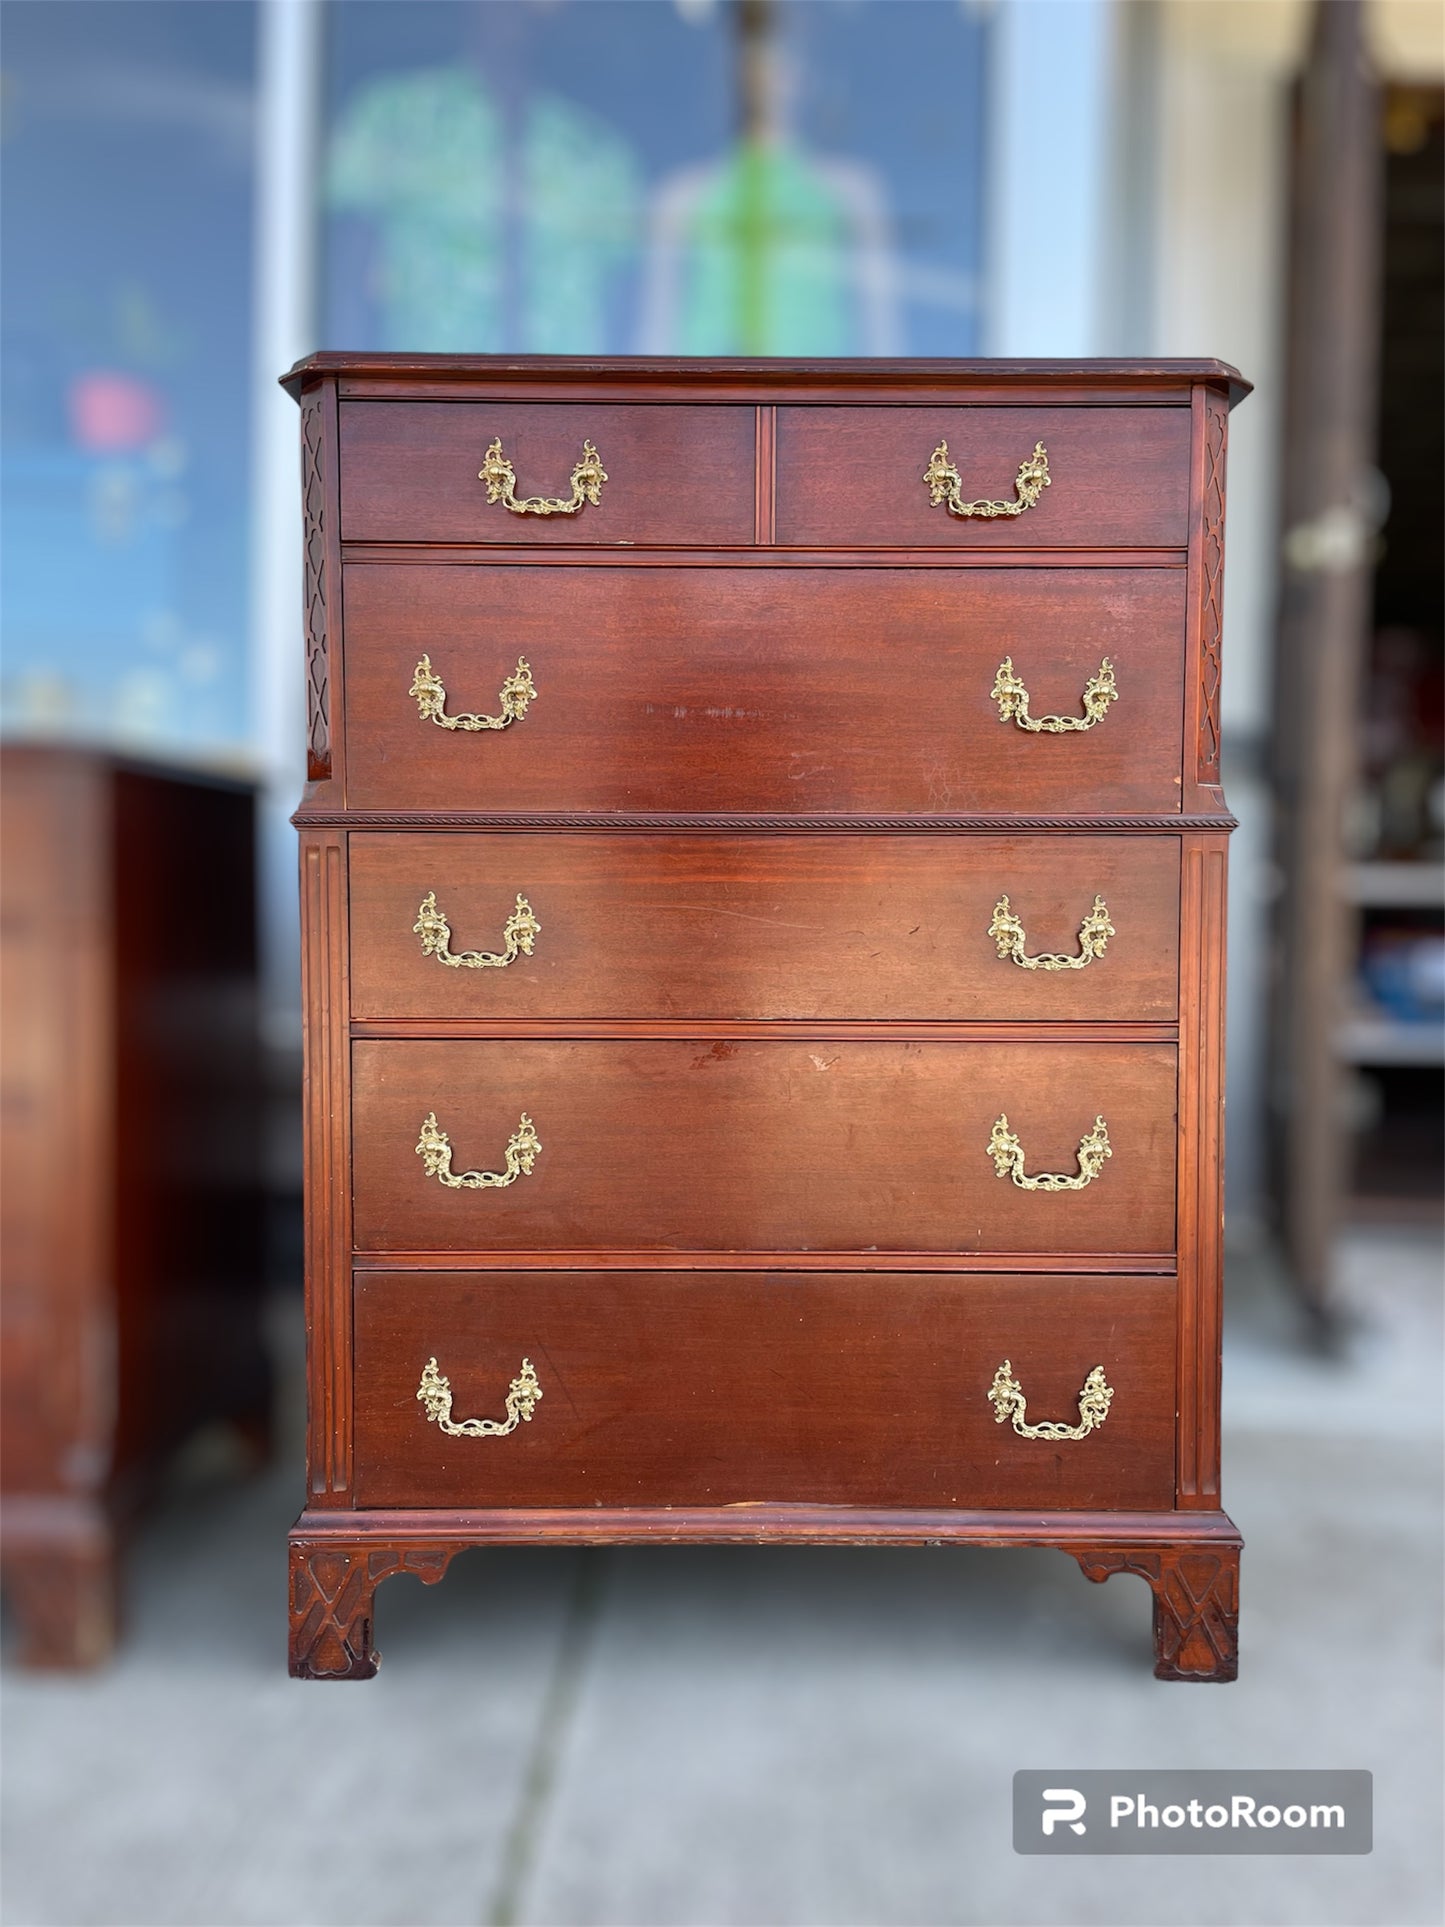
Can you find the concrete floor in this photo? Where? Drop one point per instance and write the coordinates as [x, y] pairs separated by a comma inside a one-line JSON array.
[[728, 1737]]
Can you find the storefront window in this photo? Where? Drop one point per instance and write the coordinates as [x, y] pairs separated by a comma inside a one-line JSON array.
[[126, 375], [556, 176], [669, 176]]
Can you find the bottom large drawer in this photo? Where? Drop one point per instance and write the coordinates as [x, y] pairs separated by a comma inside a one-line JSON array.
[[689, 1388]]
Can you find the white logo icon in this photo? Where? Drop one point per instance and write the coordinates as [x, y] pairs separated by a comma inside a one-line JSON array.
[[1071, 1811]]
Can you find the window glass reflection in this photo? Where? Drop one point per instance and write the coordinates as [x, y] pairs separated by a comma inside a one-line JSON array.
[[127, 258], [665, 176]]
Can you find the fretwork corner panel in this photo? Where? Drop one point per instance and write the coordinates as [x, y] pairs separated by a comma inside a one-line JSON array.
[[763, 879]]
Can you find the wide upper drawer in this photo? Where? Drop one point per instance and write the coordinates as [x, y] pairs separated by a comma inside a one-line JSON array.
[[855, 477], [832, 925], [667, 1388], [790, 690], [778, 1145], [413, 472]]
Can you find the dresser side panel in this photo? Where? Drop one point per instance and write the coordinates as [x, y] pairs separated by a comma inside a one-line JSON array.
[[321, 591], [327, 1128], [1203, 662], [1201, 1164]]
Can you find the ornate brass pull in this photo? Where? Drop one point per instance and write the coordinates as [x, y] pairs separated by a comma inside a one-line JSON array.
[[520, 933], [1094, 934], [1006, 1396], [435, 1393], [434, 1148], [431, 698], [945, 485], [1008, 1158], [1013, 701], [501, 479]]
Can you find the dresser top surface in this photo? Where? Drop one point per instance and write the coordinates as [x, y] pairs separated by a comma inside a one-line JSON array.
[[740, 376]]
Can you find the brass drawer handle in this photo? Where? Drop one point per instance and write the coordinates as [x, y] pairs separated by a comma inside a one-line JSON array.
[[501, 479], [518, 937], [434, 1148], [945, 485], [1013, 701], [1007, 931], [435, 1393], [431, 698], [1006, 1396], [1008, 1158]]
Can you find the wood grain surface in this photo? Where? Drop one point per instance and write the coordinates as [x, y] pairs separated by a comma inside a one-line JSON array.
[[673, 474], [837, 925], [1118, 477], [748, 1146], [676, 1389], [790, 690]]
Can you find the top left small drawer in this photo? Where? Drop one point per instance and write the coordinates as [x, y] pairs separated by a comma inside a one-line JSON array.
[[531, 473]]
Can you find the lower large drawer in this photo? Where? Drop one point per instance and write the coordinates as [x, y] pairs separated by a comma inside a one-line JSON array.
[[752, 926], [690, 1144], [668, 1388]]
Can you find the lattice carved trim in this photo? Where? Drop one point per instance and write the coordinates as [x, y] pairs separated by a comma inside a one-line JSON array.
[[318, 668], [1211, 625], [332, 1589], [1196, 1604]]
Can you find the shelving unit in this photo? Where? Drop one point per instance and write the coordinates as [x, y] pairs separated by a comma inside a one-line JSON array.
[[1370, 1040], [1357, 1103], [1391, 1048], [1397, 886]]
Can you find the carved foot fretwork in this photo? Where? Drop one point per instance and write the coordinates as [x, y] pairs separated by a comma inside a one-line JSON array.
[[332, 1588], [1196, 1603]]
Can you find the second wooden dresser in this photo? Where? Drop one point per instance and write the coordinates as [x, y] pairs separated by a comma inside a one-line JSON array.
[[763, 887]]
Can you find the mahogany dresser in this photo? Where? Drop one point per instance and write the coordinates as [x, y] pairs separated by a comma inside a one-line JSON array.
[[131, 1240], [763, 871]]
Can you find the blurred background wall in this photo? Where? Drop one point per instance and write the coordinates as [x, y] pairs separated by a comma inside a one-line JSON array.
[[195, 195]]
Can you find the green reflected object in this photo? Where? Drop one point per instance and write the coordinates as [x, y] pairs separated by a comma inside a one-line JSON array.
[[483, 245], [767, 260]]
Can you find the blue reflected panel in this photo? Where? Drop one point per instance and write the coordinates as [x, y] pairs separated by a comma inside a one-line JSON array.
[[660, 176], [125, 372]]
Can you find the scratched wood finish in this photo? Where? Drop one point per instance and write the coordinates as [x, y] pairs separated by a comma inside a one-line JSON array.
[[763, 1146], [684, 689], [1119, 478], [790, 927], [845, 1390], [674, 475]]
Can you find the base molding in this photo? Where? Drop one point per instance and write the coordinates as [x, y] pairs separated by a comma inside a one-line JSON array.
[[1189, 1560]]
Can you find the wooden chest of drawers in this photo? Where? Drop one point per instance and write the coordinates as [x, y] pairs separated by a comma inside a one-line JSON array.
[[764, 966], [131, 1230]]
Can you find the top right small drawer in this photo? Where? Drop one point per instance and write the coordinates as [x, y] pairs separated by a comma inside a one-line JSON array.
[[983, 478]]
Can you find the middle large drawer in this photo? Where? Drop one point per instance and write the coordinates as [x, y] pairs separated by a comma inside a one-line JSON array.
[[833, 924], [745, 1145]]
